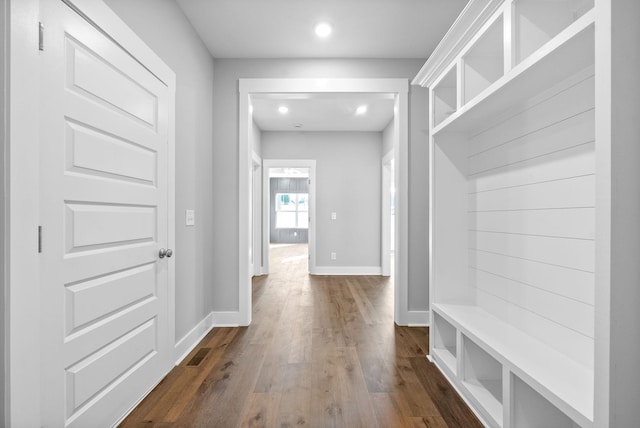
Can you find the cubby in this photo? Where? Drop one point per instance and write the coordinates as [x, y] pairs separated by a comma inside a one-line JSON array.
[[445, 95], [483, 64], [482, 377], [532, 410], [513, 212], [536, 22], [444, 343]]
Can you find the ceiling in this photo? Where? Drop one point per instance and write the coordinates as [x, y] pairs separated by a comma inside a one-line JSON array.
[[284, 28], [323, 112], [386, 29]]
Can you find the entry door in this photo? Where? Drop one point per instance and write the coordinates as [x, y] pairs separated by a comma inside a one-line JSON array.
[[104, 193]]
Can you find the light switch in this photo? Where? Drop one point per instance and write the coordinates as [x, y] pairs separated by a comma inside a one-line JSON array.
[[190, 217], [334, 216]]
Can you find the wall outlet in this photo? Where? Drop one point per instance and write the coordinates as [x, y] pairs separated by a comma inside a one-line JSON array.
[[334, 216], [190, 218], [333, 256]]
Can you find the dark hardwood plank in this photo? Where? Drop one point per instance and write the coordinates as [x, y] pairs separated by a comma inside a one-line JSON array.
[[322, 351]]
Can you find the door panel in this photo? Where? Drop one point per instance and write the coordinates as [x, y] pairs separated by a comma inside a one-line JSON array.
[[104, 211]]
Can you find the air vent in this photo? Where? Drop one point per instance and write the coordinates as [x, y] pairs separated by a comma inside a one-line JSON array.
[[200, 355]]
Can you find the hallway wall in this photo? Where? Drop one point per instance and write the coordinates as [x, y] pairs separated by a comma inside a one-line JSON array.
[[348, 181], [165, 29], [225, 163], [3, 207]]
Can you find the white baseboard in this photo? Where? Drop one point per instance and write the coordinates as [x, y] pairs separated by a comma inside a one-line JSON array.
[[347, 270], [413, 319], [191, 339], [226, 319], [418, 318]]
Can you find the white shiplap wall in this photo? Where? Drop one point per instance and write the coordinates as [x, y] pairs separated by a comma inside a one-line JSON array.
[[532, 219]]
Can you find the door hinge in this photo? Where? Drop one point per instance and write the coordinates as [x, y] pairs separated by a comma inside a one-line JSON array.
[[40, 36], [39, 239]]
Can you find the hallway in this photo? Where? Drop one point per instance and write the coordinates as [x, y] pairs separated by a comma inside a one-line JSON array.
[[322, 351]]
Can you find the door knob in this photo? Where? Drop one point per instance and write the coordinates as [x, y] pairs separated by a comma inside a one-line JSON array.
[[165, 253]]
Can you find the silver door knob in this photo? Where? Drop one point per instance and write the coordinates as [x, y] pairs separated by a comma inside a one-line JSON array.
[[162, 253], [169, 252]]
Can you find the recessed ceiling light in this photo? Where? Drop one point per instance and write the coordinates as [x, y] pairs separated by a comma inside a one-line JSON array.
[[323, 29], [361, 110], [283, 109]]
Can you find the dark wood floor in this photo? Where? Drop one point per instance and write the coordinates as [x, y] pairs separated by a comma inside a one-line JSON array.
[[321, 352]]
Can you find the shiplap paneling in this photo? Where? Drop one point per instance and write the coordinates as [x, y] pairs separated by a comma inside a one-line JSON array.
[[531, 185], [574, 345], [572, 283]]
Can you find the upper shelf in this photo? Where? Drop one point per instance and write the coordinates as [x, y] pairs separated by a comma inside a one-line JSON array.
[[570, 51]]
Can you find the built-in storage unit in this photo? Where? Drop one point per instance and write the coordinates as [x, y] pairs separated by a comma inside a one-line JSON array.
[[514, 212]]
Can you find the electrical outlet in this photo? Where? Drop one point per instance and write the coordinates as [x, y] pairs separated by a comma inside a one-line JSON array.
[[334, 216], [190, 218], [333, 256]]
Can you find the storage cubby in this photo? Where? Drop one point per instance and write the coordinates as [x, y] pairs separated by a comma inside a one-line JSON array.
[[482, 377], [445, 95], [532, 410], [444, 342], [513, 212], [483, 64], [538, 21]]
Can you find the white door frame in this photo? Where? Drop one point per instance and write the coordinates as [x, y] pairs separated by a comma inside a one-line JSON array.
[[266, 203], [399, 89], [385, 250], [22, 281]]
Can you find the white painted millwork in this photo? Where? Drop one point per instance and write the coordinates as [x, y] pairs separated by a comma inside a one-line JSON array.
[[520, 215], [398, 88], [105, 183]]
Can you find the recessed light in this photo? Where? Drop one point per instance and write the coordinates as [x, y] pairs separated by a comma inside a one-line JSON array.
[[283, 109], [323, 29], [361, 110]]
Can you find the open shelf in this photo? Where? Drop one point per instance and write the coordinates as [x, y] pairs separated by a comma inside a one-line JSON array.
[[568, 53], [445, 95], [444, 345], [567, 385], [532, 410], [536, 22], [482, 377], [483, 64]]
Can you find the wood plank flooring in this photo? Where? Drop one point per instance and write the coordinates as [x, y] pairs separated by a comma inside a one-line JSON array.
[[321, 352]]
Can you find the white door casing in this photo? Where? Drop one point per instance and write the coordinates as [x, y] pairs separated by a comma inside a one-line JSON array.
[[105, 197], [399, 88]]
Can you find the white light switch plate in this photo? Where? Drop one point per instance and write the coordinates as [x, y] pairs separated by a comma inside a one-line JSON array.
[[334, 216], [190, 218]]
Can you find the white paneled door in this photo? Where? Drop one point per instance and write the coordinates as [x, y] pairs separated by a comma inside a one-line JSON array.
[[104, 214]]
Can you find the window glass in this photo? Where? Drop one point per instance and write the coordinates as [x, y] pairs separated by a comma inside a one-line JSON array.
[[292, 210]]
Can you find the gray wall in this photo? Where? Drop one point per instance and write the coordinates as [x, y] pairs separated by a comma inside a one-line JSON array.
[[387, 138], [162, 25], [225, 159], [256, 138], [348, 181], [3, 140], [286, 185]]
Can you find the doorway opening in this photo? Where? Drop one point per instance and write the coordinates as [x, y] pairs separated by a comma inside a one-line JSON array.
[[397, 90], [289, 202]]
